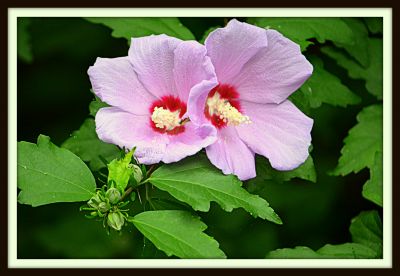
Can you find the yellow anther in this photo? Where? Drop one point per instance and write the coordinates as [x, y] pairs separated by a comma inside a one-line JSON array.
[[164, 118], [225, 111]]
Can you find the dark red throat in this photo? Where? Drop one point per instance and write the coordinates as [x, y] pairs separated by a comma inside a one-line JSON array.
[[172, 103], [227, 92]]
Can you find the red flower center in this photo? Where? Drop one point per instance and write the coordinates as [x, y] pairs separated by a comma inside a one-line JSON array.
[[224, 94], [167, 115]]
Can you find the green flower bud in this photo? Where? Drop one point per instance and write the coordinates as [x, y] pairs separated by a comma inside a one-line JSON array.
[[103, 207], [137, 173], [115, 220], [95, 201], [113, 195]]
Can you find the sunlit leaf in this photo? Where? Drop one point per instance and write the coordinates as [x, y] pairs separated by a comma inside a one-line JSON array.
[[363, 142], [177, 233], [49, 174], [196, 182]]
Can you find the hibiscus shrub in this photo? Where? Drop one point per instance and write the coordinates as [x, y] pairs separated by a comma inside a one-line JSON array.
[[267, 130]]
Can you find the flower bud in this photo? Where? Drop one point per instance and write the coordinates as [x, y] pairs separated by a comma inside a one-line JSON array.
[[103, 207], [94, 201], [137, 173], [115, 220], [113, 195]]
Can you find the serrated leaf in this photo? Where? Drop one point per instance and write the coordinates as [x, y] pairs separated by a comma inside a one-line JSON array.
[[86, 144], [24, 47], [196, 182], [299, 252], [373, 188], [346, 251], [305, 171], [366, 229], [363, 142], [141, 26], [373, 74], [177, 233], [374, 24], [95, 105], [340, 251], [49, 174], [300, 30], [323, 87], [359, 49]]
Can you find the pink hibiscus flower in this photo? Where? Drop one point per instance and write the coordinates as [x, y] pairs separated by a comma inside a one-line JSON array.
[[257, 70], [148, 92]]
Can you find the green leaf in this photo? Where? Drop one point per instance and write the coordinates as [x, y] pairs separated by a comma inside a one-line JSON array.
[[120, 170], [323, 87], [373, 74], [49, 174], [24, 47], [363, 142], [341, 251], [359, 49], [300, 30], [139, 26], [177, 233], [373, 188], [305, 171], [374, 24], [85, 143], [95, 105], [196, 182], [299, 252], [347, 251], [366, 229]]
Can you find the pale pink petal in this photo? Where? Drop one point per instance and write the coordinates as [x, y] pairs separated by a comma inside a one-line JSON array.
[[115, 82], [152, 58], [231, 155], [189, 142], [282, 133], [231, 47], [121, 128], [197, 101], [274, 72], [191, 66]]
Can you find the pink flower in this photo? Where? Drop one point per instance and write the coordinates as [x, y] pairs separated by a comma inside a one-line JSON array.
[[257, 70], [148, 92]]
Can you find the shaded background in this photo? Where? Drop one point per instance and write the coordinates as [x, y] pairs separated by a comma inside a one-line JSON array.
[[53, 99]]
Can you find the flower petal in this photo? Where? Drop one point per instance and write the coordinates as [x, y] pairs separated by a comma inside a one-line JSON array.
[[115, 82], [231, 155], [231, 47], [274, 73], [121, 128], [189, 142], [197, 101], [280, 132], [191, 66], [152, 58]]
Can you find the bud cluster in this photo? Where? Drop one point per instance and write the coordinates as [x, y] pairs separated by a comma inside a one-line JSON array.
[[107, 204], [123, 176]]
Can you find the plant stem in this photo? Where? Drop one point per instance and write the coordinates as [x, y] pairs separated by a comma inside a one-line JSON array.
[[127, 192], [150, 170]]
